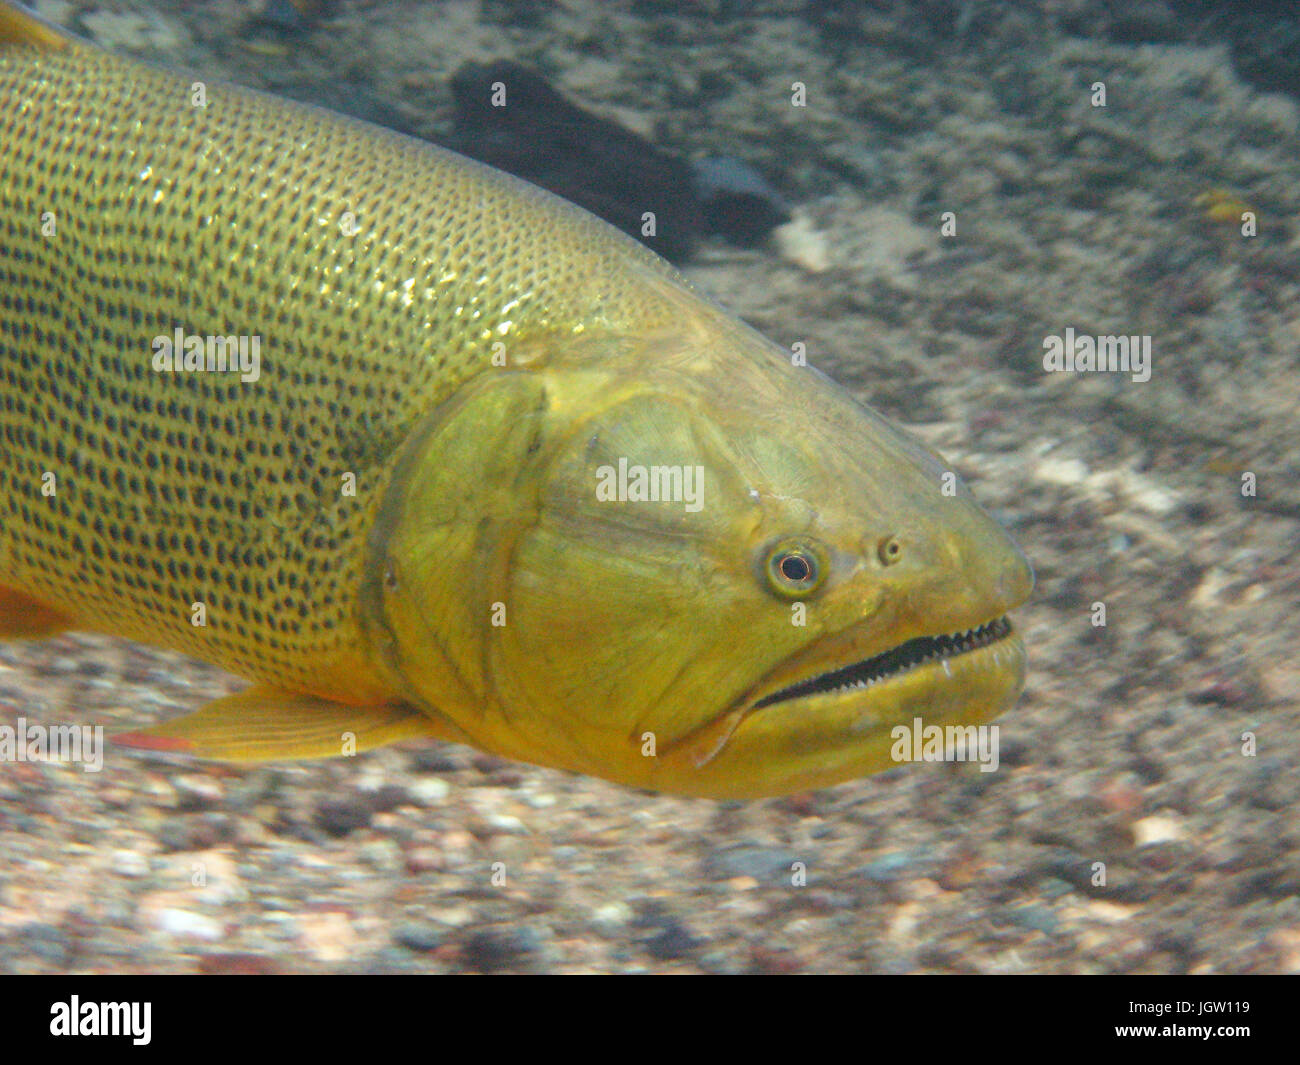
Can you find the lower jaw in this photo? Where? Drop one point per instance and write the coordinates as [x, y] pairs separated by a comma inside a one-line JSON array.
[[818, 741]]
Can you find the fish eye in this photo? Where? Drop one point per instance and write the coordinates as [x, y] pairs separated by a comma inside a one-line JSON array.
[[795, 567]]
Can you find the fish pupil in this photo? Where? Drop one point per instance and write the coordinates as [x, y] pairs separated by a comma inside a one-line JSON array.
[[795, 568]]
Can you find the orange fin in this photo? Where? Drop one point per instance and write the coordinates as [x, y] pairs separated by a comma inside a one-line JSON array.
[[20, 26], [264, 724], [25, 618]]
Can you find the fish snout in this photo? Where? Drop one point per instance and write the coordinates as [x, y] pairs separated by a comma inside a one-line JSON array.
[[995, 568]]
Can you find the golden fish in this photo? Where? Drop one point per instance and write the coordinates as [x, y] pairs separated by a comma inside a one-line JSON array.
[[424, 451]]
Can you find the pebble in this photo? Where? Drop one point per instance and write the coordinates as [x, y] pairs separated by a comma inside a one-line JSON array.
[[328, 935], [175, 834], [507, 823], [429, 791], [419, 936], [456, 916], [760, 863], [384, 855], [1038, 918], [611, 918], [1061, 471], [338, 817], [673, 941], [897, 865], [1156, 829], [218, 877], [801, 243], [178, 922], [388, 798], [424, 859], [491, 949], [721, 963], [1275, 112], [435, 760], [130, 863], [279, 918], [195, 791]]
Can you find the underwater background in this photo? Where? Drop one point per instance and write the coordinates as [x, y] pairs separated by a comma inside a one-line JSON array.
[[1162, 745]]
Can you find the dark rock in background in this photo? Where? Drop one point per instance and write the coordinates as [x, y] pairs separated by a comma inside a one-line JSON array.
[[597, 164], [737, 201]]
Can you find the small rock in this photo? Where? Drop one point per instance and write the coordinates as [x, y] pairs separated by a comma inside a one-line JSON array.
[[429, 791], [177, 922], [195, 791], [435, 759], [760, 863], [897, 865], [328, 934], [1061, 471], [1156, 829], [388, 797], [1275, 112], [1038, 918], [419, 936], [175, 834], [673, 942], [340, 816], [382, 854], [507, 823], [216, 876], [424, 859], [129, 863], [611, 918], [802, 244], [737, 200], [493, 948], [721, 963], [456, 916]]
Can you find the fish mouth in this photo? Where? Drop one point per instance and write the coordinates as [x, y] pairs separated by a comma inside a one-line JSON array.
[[901, 659], [814, 721]]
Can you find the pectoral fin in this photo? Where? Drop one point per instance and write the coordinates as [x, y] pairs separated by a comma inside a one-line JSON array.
[[264, 725], [24, 618]]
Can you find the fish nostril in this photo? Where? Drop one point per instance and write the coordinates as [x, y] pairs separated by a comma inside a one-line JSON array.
[[889, 550]]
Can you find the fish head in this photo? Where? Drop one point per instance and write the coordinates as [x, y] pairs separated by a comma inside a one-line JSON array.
[[690, 566]]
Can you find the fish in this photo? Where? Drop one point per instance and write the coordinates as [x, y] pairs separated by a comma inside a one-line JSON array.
[[421, 451]]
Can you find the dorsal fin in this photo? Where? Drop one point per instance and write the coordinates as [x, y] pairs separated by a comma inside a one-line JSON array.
[[18, 26]]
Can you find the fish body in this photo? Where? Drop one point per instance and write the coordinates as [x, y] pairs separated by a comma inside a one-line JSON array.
[[421, 450]]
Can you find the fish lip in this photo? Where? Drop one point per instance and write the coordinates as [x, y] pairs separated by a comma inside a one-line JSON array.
[[707, 743]]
